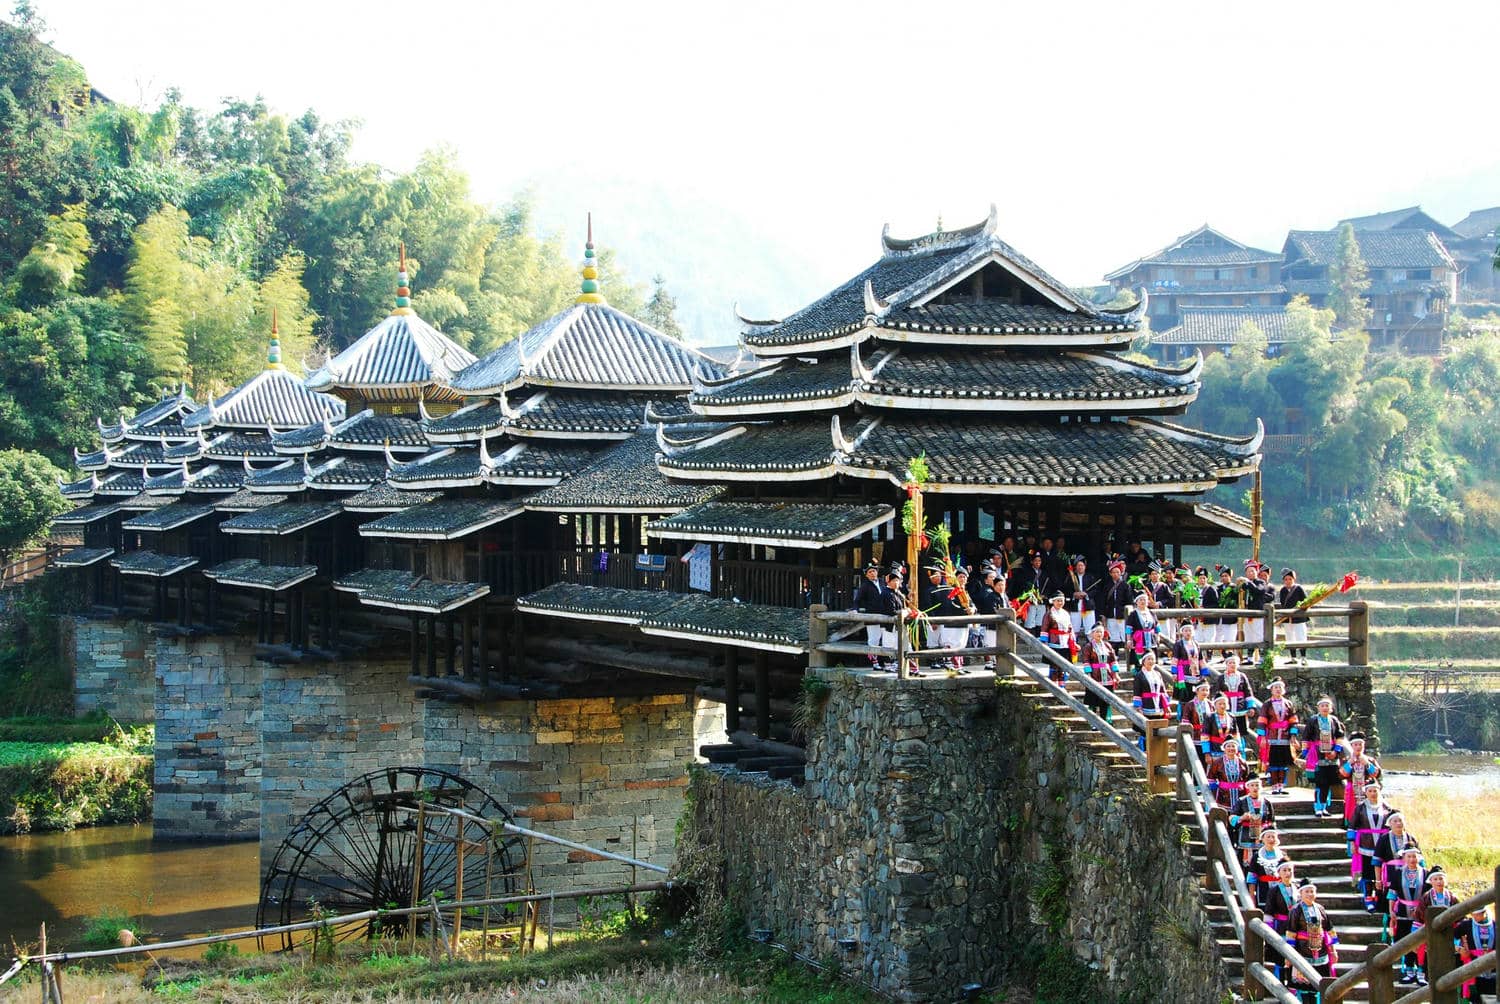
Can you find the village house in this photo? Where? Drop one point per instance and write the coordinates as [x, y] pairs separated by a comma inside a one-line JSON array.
[[1202, 268], [1473, 247]]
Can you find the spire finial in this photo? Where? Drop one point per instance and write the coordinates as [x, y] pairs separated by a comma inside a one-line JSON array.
[[273, 354], [403, 285], [590, 292]]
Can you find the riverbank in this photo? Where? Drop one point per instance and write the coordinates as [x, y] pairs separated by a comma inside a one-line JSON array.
[[58, 774], [612, 970]]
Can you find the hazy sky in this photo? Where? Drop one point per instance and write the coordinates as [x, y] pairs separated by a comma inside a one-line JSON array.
[[1101, 130]]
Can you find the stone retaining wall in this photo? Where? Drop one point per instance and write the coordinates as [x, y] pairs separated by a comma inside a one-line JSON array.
[[607, 772], [114, 667], [955, 833], [208, 741], [324, 724]]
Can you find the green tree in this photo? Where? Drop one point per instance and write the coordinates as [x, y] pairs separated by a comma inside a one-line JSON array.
[[55, 264], [1319, 369], [283, 292], [29, 497], [1349, 281], [661, 310]]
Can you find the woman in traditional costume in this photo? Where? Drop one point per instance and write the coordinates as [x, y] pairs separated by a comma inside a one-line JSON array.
[[1099, 656], [1227, 776], [1277, 731], [1252, 813], [1057, 632], [1406, 883], [1265, 860], [1475, 936], [1311, 933], [1367, 824], [1141, 625], [1187, 662], [1323, 737]]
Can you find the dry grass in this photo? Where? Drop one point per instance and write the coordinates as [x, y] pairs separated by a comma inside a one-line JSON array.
[[1457, 832]]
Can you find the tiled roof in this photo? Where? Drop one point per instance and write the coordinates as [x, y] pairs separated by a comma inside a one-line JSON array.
[[141, 501], [538, 461], [974, 453], [347, 474], [830, 382], [1410, 218], [1021, 380], [1189, 250], [80, 489], [623, 479], [424, 595], [252, 574], [800, 447], [439, 468], [307, 439], [598, 603], [751, 625], [1221, 325], [168, 517], [910, 270], [85, 514], [372, 578], [1097, 458], [149, 563], [288, 476], [271, 397], [1007, 318], [1379, 248], [167, 408], [188, 449], [288, 517], [777, 524], [82, 557], [402, 357], [233, 446], [386, 498], [559, 413], [123, 483], [246, 500], [373, 431], [444, 519], [157, 431], [588, 345], [466, 424], [212, 478], [98, 460], [1479, 223], [152, 454]]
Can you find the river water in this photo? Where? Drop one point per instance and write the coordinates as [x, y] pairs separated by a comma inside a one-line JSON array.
[[177, 890], [169, 889]]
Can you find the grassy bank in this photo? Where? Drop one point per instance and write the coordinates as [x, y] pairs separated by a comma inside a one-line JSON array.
[[606, 971], [60, 774], [1457, 832]]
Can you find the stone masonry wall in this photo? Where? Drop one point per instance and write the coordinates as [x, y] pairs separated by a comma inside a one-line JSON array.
[[324, 724], [607, 772], [208, 750], [114, 667], [933, 817]]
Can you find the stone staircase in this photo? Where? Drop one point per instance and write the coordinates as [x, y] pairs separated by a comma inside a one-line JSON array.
[[1316, 846]]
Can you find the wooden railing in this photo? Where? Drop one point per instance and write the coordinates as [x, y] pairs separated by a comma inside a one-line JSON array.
[[1225, 874], [1444, 975], [28, 564], [1354, 639]]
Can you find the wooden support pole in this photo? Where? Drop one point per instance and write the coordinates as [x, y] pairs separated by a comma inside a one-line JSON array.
[[817, 635], [1270, 629], [1441, 960], [416, 641], [484, 648], [1253, 950], [1158, 754], [467, 620], [762, 695], [1359, 633], [431, 645], [732, 690], [1215, 851], [448, 645]]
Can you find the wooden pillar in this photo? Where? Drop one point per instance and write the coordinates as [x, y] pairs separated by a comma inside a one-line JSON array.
[[448, 645], [1441, 960], [432, 644], [483, 649], [1215, 812], [468, 643], [732, 690], [817, 632], [1359, 633], [762, 695], [1253, 950], [416, 640], [302, 618]]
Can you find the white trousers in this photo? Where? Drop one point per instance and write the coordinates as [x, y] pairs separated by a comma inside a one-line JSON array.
[[1296, 632], [1083, 623], [1255, 630], [1115, 629]]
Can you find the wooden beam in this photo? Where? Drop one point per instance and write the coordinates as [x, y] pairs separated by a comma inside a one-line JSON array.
[[732, 689], [762, 695]]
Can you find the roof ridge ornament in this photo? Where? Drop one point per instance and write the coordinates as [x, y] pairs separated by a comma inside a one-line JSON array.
[[751, 322], [403, 285], [245, 462], [841, 443], [486, 462], [273, 351], [390, 458], [506, 411], [875, 307], [859, 370], [590, 288], [422, 404]]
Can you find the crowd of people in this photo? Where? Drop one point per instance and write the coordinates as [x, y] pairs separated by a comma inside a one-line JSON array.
[[1253, 747]]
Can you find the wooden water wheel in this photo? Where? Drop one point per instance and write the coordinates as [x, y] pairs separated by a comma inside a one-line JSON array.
[[359, 849]]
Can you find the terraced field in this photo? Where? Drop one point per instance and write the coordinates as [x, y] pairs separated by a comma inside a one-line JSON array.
[[1413, 626]]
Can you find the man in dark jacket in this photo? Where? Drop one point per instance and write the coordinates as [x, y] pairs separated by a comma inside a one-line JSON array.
[[870, 599]]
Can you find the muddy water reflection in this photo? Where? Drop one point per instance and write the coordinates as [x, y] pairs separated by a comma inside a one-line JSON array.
[[176, 889]]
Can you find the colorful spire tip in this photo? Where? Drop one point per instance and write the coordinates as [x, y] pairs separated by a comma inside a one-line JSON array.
[[403, 286], [273, 354], [590, 292]]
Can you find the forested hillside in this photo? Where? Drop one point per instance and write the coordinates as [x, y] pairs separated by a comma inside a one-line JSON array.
[[141, 248]]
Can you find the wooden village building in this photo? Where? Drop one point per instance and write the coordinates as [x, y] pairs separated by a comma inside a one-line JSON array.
[[1202, 268], [594, 506]]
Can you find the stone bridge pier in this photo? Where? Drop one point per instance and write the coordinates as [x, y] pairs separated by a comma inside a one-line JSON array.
[[245, 747]]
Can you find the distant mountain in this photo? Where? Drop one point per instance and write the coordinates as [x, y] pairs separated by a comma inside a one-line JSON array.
[[710, 257]]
